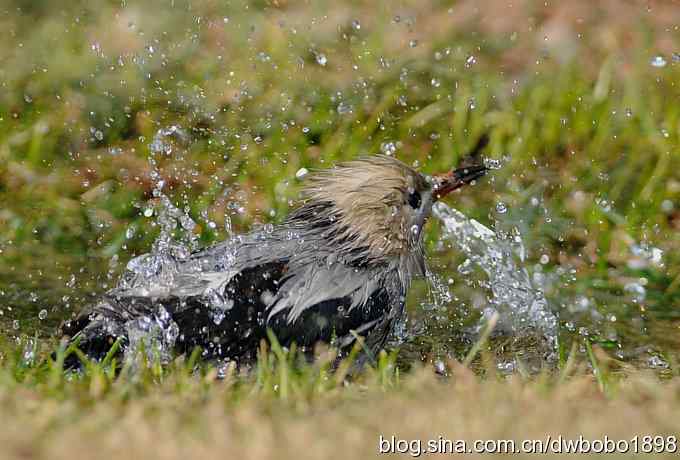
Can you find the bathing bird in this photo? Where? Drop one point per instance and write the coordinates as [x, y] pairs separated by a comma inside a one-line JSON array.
[[336, 269]]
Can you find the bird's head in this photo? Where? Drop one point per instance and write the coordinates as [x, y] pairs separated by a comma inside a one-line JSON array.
[[376, 207]]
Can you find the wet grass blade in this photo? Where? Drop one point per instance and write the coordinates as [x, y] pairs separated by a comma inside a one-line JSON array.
[[597, 369], [484, 336]]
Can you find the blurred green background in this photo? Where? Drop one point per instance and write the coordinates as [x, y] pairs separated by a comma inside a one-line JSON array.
[[581, 101]]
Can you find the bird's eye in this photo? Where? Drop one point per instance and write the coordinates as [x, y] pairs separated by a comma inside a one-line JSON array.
[[414, 200]]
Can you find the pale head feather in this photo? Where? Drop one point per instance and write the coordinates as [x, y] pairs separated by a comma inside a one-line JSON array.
[[368, 199]]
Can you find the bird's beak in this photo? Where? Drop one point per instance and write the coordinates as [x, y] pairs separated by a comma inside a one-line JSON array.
[[444, 184]]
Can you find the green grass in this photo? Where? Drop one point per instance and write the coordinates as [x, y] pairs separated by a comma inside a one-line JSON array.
[[589, 132], [286, 407]]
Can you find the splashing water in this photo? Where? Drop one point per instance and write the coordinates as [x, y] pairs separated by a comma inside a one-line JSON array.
[[157, 269], [154, 273], [522, 307], [155, 334]]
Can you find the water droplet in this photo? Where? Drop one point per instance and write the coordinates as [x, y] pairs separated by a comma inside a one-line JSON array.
[[656, 362], [187, 222], [388, 148], [658, 61], [301, 173], [16, 325], [465, 268], [493, 164], [545, 259], [638, 291], [413, 43], [667, 206], [470, 61], [356, 25], [656, 256], [501, 208], [28, 98], [344, 108], [435, 83], [321, 59], [629, 112], [604, 204], [71, 283], [96, 48], [148, 212], [42, 314]]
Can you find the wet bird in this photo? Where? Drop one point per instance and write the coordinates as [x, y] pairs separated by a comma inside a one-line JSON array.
[[337, 268]]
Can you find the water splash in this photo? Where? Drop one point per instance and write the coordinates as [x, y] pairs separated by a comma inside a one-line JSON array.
[[154, 273], [158, 267], [521, 305], [161, 141], [154, 334]]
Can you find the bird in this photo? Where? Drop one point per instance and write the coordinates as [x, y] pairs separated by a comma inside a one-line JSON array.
[[336, 269]]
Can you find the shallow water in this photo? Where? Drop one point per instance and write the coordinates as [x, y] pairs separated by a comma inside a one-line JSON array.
[[37, 294], [539, 307], [493, 275]]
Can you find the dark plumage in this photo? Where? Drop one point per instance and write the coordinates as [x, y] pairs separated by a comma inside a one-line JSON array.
[[339, 266]]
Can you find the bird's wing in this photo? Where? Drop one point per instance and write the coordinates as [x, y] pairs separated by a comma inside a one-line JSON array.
[[162, 277], [245, 251], [313, 284], [336, 303]]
